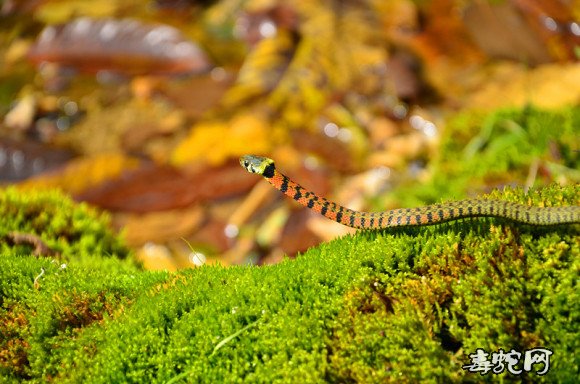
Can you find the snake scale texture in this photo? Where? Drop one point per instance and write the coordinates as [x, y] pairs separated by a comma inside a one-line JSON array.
[[431, 214]]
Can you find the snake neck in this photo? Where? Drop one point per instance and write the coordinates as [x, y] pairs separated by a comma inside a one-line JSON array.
[[318, 204], [270, 173]]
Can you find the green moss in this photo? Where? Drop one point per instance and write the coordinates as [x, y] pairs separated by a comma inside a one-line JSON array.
[[401, 305], [73, 231], [83, 274]]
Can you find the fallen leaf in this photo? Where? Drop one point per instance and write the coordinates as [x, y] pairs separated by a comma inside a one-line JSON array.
[[161, 187], [82, 174], [124, 46]]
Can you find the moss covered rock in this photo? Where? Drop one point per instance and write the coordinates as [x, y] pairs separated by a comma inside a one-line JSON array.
[[393, 306]]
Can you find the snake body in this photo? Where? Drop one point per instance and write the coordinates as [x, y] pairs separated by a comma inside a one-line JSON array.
[[431, 214]]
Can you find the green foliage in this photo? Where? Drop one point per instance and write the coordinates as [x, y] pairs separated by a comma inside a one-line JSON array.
[[400, 305], [490, 149], [508, 141]]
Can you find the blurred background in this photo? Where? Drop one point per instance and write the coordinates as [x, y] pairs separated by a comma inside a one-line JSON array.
[[142, 108]]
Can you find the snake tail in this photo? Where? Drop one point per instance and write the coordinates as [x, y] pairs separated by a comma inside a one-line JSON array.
[[427, 215]]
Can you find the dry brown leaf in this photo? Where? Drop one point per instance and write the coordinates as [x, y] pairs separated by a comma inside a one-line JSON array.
[[158, 188]]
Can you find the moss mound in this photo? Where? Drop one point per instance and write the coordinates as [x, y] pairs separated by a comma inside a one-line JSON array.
[[405, 305], [61, 227]]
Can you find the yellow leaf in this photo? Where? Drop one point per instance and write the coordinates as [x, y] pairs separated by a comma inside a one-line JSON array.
[[82, 174], [215, 142], [55, 12]]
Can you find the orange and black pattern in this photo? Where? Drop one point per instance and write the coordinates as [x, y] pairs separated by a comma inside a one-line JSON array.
[[431, 214]]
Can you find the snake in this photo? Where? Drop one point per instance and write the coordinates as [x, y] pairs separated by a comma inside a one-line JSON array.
[[404, 217]]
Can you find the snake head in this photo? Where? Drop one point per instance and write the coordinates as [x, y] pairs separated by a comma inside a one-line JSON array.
[[257, 164]]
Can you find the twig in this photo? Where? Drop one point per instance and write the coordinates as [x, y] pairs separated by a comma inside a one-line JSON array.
[[40, 247], [37, 279]]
